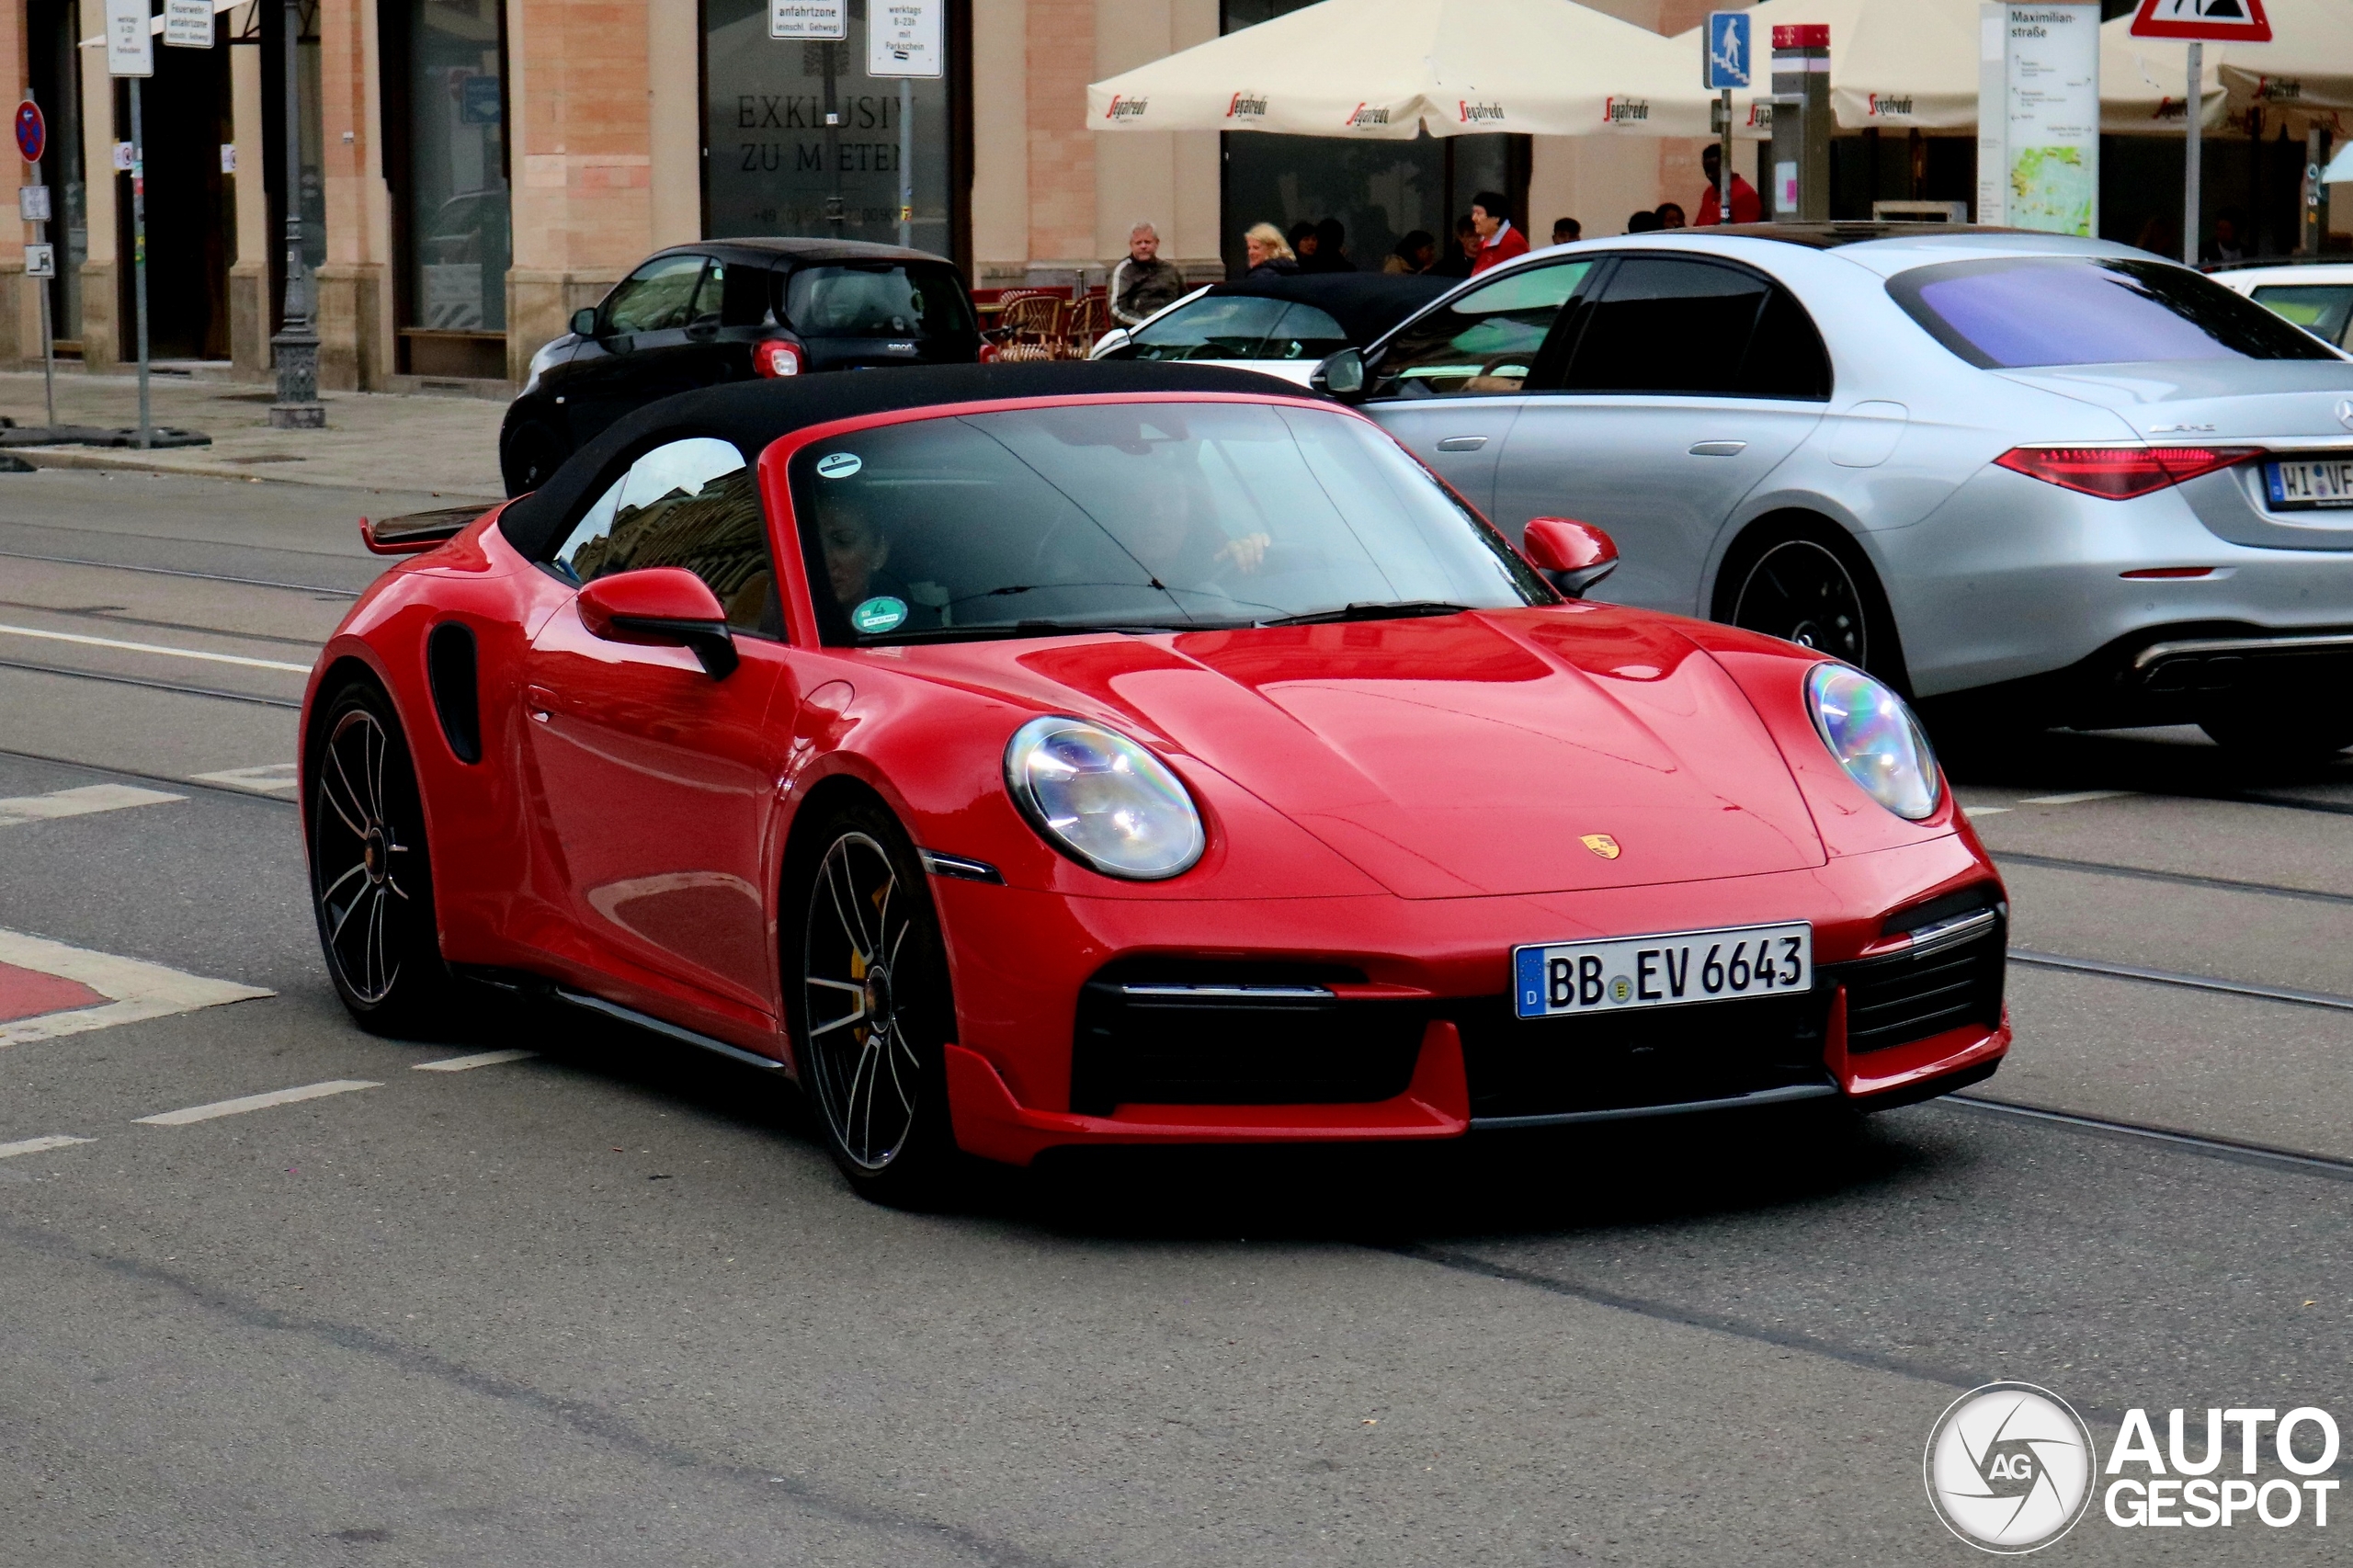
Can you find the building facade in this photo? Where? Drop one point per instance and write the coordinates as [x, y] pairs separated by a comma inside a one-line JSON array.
[[472, 171]]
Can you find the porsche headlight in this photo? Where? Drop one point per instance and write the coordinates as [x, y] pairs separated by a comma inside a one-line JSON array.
[[1876, 739], [1102, 800]]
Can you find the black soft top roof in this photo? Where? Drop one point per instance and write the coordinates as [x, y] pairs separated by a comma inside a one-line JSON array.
[[749, 415], [1366, 304]]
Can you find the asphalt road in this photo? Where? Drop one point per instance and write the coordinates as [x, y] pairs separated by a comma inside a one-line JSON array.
[[610, 1303]]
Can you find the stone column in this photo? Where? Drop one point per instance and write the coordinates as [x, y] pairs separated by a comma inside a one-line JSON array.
[[1000, 144], [250, 309], [101, 324], [1171, 180], [579, 104], [19, 296], [354, 293], [674, 55], [1062, 151]]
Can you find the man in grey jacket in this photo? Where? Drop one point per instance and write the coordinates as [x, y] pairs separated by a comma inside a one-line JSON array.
[[1144, 283]]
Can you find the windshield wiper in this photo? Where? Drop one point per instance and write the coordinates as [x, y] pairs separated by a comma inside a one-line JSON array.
[[1372, 609]]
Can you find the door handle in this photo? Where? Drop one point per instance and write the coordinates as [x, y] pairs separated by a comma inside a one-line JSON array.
[[1718, 448], [1462, 443], [538, 702]]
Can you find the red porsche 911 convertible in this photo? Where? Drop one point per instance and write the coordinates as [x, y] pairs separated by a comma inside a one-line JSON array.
[[1037, 754]]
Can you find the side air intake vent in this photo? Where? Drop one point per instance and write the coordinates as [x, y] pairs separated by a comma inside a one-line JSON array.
[[457, 695]]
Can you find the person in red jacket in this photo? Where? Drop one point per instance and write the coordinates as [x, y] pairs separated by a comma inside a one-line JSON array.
[[1747, 207], [1498, 241]]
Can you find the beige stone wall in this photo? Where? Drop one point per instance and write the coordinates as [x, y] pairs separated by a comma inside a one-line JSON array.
[[674, 54], [580, 116]]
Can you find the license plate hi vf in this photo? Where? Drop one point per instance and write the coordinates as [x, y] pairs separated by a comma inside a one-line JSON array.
[[1672, 970]]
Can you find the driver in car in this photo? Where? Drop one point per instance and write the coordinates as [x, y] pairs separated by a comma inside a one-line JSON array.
[[856, 551]]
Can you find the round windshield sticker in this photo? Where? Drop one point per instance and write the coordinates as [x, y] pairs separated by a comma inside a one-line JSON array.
[[839, 465], [881, 614]]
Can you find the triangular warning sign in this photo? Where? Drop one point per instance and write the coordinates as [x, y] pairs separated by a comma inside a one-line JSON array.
[[2224, 21]]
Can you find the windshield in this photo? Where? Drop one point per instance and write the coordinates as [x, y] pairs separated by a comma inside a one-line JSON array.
[[877, 300], [1240, 326], [1138, 515], [2324, 310], [2018, 311]]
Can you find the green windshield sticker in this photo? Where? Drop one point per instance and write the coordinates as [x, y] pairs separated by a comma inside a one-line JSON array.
[[881, 614], [839, 465]]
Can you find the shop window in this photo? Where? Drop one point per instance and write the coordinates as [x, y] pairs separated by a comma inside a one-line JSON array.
[[801, 139], [446, 161]]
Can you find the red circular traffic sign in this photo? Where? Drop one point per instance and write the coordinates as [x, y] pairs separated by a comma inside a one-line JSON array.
[[32, 130]]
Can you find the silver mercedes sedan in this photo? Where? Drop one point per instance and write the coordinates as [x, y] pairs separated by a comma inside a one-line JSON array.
[[2031, 480]]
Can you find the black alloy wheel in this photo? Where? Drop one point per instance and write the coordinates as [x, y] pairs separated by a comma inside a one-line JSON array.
[[1800, 591], [528, 455], [870, 1009], [371, 883]]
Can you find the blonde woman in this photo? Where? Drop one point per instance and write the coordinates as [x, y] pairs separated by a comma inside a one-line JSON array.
[[1270, 254]]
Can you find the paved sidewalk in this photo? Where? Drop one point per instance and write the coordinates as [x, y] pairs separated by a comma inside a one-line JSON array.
[[448, 446]]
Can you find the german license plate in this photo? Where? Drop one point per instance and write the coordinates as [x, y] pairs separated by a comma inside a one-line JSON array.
[[1667, 971], [2309, 482]]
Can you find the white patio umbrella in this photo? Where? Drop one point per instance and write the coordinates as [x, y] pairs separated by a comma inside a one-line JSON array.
[[1391, 69], [2305, 70], [1912, 65]]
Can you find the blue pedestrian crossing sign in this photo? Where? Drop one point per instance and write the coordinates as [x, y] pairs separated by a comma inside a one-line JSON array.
[[1728, 57]]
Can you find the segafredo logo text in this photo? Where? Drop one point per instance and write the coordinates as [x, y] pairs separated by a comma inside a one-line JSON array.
[[1473, 114], [1126, 108], [2171, 1487], [1618, 111], [1889, 103], [1247, 106], [1365, 115]]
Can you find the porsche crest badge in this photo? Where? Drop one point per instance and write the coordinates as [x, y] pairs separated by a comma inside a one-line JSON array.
[[1601, 844]]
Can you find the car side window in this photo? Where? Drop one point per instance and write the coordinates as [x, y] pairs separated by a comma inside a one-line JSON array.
[[1786, 357], [692, 504], [1482, 341], [1216, 326], [1674, 325], [655, 297], [1305, 333]]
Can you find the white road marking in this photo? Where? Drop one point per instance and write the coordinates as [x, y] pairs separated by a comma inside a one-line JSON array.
[[154, 648], [140, 990], [2077, 798], [1974, 812], [482, 1059], [255, 1102], [39, 1145], [270, 779], [78, 803]]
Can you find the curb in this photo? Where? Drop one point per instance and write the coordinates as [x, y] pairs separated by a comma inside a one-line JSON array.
[[127, 462]]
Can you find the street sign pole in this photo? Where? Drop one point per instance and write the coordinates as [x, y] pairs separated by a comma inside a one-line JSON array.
[[32, 202], [139, 250], [2199, 22], [1725, 65], [1723, 162], [2189, 154], [903, 39], [130, 51]]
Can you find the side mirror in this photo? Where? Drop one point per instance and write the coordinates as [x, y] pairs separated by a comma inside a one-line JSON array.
[[1572, 556], [1110, 345], [660, 606], [1341, 376], [583, 321]]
